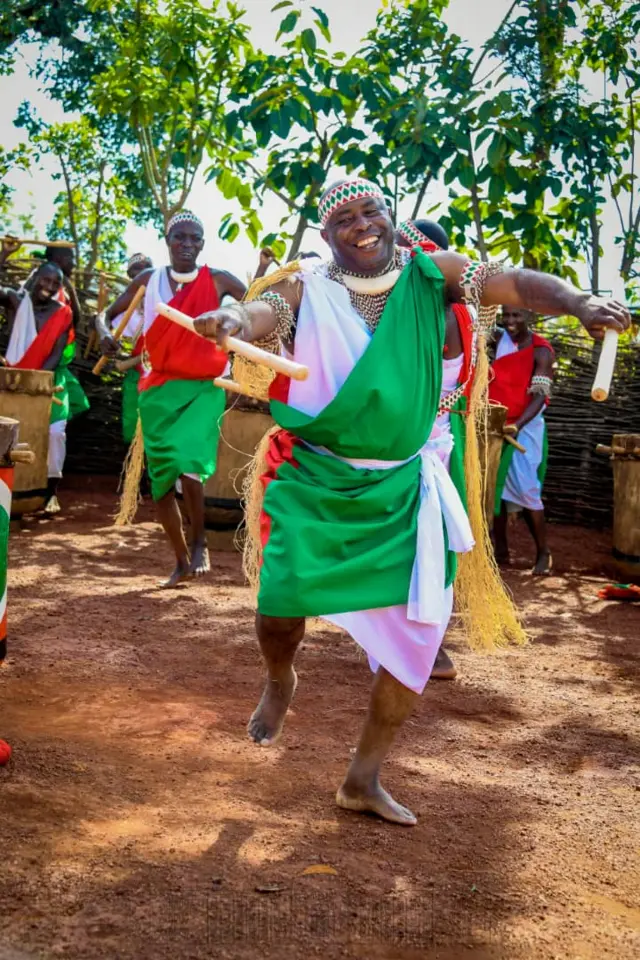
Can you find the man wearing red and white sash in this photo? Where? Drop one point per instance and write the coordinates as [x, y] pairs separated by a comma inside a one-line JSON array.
[[180, 408], [522, 373], [42, 338]]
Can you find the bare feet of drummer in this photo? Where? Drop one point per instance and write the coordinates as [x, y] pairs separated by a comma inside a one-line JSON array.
[[181, 573], [200, 563], [444, 667], [543, 564], [390, 705], [52, 506]]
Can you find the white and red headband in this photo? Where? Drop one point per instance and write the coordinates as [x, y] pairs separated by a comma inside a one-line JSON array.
[[185, 216], [346, 192]]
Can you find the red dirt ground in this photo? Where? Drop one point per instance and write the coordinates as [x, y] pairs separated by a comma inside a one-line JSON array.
[[139, 822]]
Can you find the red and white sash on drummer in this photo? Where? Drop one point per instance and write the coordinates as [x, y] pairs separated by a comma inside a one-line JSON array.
[[30, 348]]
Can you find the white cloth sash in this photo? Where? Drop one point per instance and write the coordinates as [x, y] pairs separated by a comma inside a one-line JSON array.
[[439, 501], [24, 330]]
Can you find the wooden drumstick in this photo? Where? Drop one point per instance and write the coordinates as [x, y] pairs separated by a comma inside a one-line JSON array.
[[606, 364], [22, 456], [514, 443], [41, 243], [137, 297], [247, 350], [232, 386]]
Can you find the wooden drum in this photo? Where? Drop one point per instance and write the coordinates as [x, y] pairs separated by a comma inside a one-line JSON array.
[[490, 453], [625, 457], [25, 395]]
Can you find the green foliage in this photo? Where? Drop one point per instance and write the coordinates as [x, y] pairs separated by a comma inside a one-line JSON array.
[[297, 117], [94, 203], [529, 156], [171, 68]]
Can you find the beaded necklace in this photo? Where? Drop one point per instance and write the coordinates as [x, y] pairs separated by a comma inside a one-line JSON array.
[[369, 305]]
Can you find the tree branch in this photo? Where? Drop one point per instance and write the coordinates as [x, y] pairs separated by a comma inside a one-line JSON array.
[[485, 49], [421, 192], [95, 233], [72, 209]]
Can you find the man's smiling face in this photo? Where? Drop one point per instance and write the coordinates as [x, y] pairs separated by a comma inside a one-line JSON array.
[[360, 234]]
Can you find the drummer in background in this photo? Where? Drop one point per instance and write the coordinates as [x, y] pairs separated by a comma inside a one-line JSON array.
[[65, 258], [42, 338], [62, 257], [521, 379]]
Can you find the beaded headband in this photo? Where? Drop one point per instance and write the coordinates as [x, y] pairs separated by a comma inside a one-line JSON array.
[[185, 216], [347, 192], [413, 235], [138, 258]]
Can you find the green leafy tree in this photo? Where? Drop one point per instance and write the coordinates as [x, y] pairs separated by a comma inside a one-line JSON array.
[[19, 158], [299, 118], [172, 66], [43, 22], [609, 46], [95, 202], [455, 118]]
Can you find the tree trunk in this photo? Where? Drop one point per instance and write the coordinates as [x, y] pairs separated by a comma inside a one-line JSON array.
[[630, 249], [296, 241], [72, 210], [95, 233], [595, 252], [421, 192]]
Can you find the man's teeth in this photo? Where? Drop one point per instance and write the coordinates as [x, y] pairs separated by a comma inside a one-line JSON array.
[[369, 242]]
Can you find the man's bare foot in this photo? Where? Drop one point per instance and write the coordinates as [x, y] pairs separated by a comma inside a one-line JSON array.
[[200, 563], [52, 506], [267, 720], [444, 667], [376, 800], [543, 564], [181, 572]]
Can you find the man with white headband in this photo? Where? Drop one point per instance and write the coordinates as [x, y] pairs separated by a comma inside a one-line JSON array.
[[361, 522], [522, 377], [180, 408]]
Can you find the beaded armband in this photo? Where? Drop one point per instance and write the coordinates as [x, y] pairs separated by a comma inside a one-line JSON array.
[[541, 386], [284, 314], [473, 280]]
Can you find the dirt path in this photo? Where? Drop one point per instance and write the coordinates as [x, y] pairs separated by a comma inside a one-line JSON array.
[[138, 822]]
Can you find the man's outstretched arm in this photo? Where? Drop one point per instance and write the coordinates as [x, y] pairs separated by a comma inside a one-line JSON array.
[[540, 292]]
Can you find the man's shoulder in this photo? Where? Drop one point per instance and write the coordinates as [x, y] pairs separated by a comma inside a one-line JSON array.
[[541, 346]]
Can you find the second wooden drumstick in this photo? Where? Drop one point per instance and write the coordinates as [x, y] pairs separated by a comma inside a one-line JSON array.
[[247, 350]]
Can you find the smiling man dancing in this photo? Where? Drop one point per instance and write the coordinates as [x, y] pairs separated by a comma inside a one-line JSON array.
[[180, 408], [360, 517]]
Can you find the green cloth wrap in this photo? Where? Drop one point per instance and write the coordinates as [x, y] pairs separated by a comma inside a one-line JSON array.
[[181, 428]]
